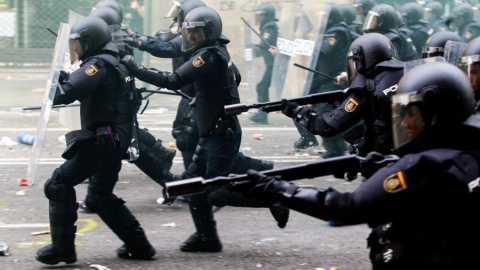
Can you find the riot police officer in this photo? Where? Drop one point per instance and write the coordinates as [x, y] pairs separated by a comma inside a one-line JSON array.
[[470, 64], [215, 77], [467, 26], [382, 19], [362, 7], [435, 45], [413, 17], [351, 20], [413, 225], [265, 16], [105, 89], [374, 74], [433, 12], [331, 61]]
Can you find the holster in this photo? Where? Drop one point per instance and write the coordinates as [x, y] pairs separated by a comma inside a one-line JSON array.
[[224, 125], [75, 141], [106, 139]]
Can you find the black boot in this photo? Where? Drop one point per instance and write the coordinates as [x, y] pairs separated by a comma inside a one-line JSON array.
[[136, 246], [243, 163], [201, 243], [260, 117], [62, 248], [306, 140], [280, 214]]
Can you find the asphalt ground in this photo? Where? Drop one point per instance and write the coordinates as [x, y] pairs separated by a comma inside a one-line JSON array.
[[250, 237]]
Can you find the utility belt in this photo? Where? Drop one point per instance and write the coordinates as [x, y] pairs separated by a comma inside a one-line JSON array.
[[104, 138], [224, 125]]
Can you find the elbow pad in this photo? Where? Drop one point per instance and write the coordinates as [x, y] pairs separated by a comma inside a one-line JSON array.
[[152, 76]]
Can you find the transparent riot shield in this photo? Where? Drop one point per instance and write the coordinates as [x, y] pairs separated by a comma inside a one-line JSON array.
[[302, 28], [69, 117], [61, 47], [254, 64], [417, 62], [453, 51]]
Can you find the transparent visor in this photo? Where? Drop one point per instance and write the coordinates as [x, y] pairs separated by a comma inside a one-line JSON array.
[[470, 65], [75, 48], [193, 35], [432, 51], [172, 11], [259, 15], [351, 67], [407, 119], [371, 21]]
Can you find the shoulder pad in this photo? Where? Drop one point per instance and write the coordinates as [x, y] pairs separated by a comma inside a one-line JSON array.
[[394, 63]]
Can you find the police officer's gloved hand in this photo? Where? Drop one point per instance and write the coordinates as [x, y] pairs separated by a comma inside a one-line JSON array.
[[132, 41], [261, 186], [63, 76], [289, 107], [130, 62], [368, 167]]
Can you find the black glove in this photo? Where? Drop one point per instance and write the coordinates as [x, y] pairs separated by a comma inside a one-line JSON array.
[[261, 186], [132, 41], [130, 62], [63, 76], [289, 107]]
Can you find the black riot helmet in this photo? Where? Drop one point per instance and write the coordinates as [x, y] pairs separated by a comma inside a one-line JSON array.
[[185, 8], [88, 36], [201, 27], [412, 13], [462, 14], [433, 10], [435, 45], [380, 18], [109, 15], [430, 97], [335, 14], [363, 6], [172, 11], [366, 52], [470, 63], [348, 13], [267, 11], [111, 4]]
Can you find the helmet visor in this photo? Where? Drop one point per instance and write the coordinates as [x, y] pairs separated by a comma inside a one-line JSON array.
[[75, 50], [432, 52], [470, 65], [407, 119], [351, 67], [193, 35], [371, 21], [172, 11]]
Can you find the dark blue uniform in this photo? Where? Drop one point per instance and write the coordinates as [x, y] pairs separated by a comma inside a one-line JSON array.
[[469, 31], [373, 106], [269, 31], [419, 35]]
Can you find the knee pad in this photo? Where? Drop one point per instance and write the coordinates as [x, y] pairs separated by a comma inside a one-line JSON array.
[[98, 202], [54, 189]]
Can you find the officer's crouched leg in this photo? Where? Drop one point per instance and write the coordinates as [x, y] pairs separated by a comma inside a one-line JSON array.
[[120, 220], [63, 214]]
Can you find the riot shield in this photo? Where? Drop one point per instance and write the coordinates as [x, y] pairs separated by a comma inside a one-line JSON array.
[[408, 65], [254, 64], [453, 51], [299, 43], [60, 52], [69, 117]]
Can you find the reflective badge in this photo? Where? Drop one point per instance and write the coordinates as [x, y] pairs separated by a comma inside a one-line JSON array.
[[266, 35], [91, 70], [443, 29], [332, 41], [351, 105], [198, 62], [394, 183], [428, 40], [468, 35]]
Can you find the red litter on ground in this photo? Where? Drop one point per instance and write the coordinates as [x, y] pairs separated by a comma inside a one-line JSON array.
[[23, 182], [258, 136]]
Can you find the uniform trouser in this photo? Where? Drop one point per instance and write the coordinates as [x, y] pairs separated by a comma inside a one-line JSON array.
[[264, 85], [103, 168], [336, 145], [215, 159]]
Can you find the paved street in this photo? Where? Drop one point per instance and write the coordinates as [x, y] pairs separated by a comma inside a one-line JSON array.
[[250, 237]]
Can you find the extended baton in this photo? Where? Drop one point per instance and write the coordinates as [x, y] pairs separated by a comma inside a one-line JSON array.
[[314, 71], [264, 40]]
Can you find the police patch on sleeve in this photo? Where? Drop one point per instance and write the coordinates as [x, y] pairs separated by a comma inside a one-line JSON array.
[[266, 35], [91, 70], [468, 35], [351, 105], [394, 183], [198, 62], [332, 41]]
